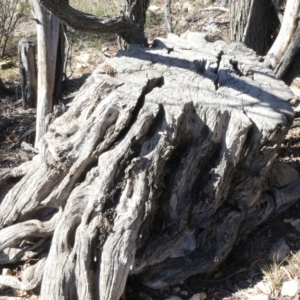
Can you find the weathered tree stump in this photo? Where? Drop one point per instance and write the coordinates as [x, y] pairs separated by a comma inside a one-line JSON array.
[[28, 72], [159, 166]]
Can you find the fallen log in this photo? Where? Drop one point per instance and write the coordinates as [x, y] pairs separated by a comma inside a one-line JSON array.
[[160, 165]]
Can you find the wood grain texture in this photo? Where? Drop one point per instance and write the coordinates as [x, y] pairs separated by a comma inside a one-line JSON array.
[[287, 30], [157, 169], [251, 23], [28, 72]]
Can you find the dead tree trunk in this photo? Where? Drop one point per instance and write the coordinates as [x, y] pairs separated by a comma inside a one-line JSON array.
[[168, 16], [28, 72], [288, 56], [287, 43], [250, 23], [128, 29], [48, 36], [134, 10], [158, 168]]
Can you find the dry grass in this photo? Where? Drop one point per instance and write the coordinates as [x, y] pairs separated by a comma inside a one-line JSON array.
[[97, 7], [278, 273], [275, 276]]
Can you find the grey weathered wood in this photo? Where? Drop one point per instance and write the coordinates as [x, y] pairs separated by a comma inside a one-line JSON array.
[[128, 29], [133, 11], [160, 165], [28, 72], [168, 16], [48, 35], [286, 60], [31, 277], [287, 30]]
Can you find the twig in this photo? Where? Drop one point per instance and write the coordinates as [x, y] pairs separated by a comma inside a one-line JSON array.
[[287, 272], [155, 16], [215, 8], [28, 148], [68, 49], [25, 134]]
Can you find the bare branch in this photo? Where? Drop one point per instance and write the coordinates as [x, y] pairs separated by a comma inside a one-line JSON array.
[[121, 25], [215, 8]]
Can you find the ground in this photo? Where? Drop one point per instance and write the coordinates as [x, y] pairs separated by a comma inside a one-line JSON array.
[[248, 271]]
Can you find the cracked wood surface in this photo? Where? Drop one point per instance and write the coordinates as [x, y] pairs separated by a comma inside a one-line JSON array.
[[156, 171]]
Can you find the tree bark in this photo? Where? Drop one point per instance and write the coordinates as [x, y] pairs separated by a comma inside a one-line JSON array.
[[168, 17], [250, 23], [286, 41], [291, 51], [136, 10], [129, 30], [60, 63], [160, 165], [48, 36], [28, 72]]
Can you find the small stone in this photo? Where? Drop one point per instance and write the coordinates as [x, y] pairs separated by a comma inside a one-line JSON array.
[[282, 174], [19, 293], [81, 66], [264, 287], [187, 7], [6, 272], [189, 17], [173, 298], [176, 289], [184, 293], [279, 251], [295, 223], [200, 296], [154, 8], [289, 288], [84, 58]]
